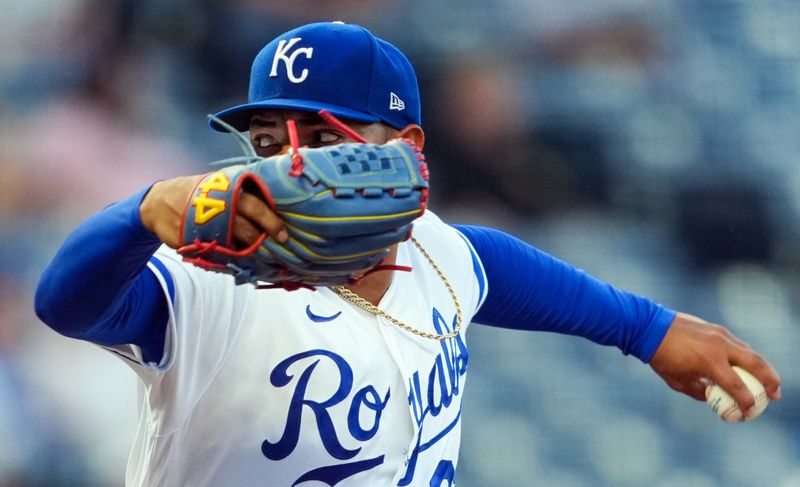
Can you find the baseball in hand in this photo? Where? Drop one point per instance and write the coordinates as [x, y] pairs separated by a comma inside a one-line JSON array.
[[724, 405]]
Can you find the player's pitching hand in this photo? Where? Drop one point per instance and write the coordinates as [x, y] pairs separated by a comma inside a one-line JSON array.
[[163, 206], [695, 351]]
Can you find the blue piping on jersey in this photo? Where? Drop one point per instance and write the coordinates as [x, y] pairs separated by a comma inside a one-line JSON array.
[[477, 268], [162, 269]]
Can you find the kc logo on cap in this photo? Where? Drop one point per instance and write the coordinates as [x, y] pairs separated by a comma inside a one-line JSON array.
[[288, 60], [341, 68]]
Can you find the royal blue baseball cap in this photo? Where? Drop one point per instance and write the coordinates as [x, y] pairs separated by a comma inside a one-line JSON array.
[[342, 68]]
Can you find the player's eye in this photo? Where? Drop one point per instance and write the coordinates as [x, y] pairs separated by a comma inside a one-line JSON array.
[[266, 145], [327, 137]]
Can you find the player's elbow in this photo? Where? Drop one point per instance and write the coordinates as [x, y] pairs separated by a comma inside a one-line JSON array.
[[54, 308], [45, 304]]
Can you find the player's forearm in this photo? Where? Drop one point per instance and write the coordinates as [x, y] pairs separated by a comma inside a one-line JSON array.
[[97, 264], [531, 290]]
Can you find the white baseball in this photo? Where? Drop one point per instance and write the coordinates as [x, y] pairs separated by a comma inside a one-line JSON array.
[[726, 408]]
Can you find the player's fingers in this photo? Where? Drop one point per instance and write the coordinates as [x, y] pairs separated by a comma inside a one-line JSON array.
[[733, 384], [246, 232], [761, 370], [685, 384], [259, 214], [742, 355], [696, 389]]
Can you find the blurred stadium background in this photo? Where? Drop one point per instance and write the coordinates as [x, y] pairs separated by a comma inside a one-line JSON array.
[[653, 143]]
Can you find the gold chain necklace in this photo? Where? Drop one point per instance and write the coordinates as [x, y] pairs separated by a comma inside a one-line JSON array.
[[357, 300]]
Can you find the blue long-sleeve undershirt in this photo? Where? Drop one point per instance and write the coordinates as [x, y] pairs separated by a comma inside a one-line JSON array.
[[97, 288], [531, 290]]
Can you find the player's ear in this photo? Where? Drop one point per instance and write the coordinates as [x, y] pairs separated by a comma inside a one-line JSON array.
[[413, 132]]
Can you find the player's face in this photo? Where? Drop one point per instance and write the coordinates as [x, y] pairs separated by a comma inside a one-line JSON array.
[[270, 136]]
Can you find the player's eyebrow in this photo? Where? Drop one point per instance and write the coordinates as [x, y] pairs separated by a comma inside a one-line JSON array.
[[310, 121], [262, 122]]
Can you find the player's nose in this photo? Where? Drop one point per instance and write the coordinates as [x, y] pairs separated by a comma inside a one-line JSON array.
[[291, 136], [284, 149]]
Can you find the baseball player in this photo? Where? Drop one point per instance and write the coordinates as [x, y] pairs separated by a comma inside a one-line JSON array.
[[357, 381]]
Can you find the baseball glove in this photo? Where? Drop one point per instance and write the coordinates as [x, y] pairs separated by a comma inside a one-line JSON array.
[[343, 206]]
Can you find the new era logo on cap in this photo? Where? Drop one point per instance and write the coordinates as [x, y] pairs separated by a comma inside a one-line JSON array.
[[395, 103], [342, 68]]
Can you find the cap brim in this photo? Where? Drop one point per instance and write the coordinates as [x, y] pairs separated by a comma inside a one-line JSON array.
[[239, 116]]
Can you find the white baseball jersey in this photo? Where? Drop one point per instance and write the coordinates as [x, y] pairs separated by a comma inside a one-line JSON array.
[[269, 387]]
